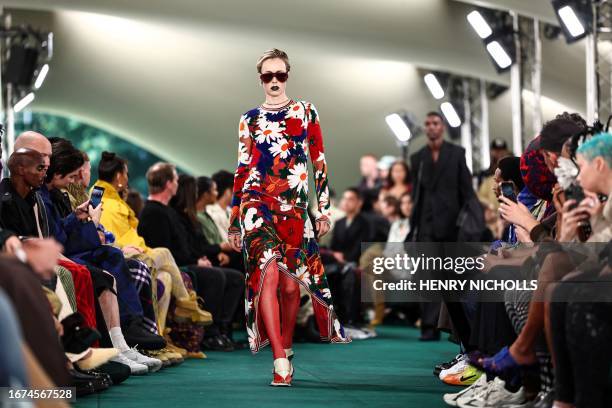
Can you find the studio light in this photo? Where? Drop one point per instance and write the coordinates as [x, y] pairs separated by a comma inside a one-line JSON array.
[[42, 74], [479, 24], [450, 114], [25, 101], [399, 127], [499, 54], [575, 18], [434, 86]]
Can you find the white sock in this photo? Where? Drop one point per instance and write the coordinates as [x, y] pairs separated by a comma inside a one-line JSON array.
[[117, 339]]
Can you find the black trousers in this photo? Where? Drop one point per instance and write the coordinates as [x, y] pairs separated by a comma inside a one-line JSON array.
[[582, 334], [222, 290]]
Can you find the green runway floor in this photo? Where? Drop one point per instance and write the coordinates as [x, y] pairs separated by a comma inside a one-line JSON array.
[[393, 370]]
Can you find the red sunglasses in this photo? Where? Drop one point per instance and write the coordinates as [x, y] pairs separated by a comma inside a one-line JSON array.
[[267, 77]]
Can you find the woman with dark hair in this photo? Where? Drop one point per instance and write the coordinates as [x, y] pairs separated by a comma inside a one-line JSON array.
[[221, 287], [207, 196], [398, 180]]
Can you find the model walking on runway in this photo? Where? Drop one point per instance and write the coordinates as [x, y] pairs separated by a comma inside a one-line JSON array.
[[269, 220]]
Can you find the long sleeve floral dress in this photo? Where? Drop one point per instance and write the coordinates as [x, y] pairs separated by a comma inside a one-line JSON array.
[[269, 210]]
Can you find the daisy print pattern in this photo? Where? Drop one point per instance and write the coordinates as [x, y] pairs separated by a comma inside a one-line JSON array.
[[268, 132], [298, 177], [280, 148], [269, 207]]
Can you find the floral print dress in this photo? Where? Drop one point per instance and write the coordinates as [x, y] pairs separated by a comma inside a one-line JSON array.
[[269, 210]]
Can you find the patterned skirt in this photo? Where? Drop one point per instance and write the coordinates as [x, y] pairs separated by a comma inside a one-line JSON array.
[[272, 231]]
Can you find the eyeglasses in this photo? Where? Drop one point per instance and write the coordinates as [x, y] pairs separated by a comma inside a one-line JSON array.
[[267, 77]]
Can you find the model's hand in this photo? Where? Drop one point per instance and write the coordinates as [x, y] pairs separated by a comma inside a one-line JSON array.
[[235, 241], [323, 227], [130, 250]]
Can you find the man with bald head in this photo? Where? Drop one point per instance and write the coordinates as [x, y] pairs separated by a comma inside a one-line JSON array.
[[28, 168], [35, 141]]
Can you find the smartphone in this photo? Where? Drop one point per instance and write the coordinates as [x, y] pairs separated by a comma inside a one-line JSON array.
[[507, 190], [96, 196]]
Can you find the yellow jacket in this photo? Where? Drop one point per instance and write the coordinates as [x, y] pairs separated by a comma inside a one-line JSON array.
[[119, 218]]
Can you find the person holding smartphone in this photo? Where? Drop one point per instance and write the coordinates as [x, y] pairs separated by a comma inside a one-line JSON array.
[[269, 219]]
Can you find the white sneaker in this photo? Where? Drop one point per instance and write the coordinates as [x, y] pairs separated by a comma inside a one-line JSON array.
[[152, 364], [135, 368], [459, 366], [500, 397], [451, 399], [478, 398], [494, 395]]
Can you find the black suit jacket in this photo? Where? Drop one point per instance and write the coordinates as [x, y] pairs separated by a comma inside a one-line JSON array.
[[348, 240], [449, 184]]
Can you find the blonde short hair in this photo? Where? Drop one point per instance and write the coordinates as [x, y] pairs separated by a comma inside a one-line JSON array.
[[273, 53]]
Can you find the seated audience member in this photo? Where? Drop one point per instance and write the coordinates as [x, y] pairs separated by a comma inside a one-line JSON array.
[[371, 182], [341, 267], [77, 191], [121, 220], [398, 180], [161, 226], [580, 324], [135, 201], [219, 211], [82, 245], [223, 303], [207, 195]]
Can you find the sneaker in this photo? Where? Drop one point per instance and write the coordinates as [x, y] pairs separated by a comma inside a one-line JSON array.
[[445, 366], [499, 396], [466, 377], [451, 399], [135, 368], [495, 395], [455, 368], [152, 364], [476, 399]]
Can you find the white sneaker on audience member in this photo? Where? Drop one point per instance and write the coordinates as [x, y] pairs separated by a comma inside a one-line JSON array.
[[152, 364], [459, 366], [135, 368], [451, 399], [494, 395], [499, 396]]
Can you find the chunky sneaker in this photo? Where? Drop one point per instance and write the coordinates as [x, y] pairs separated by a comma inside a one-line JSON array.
[[500, 397], [458, 367], [451, 399], [445, 366], [466, 377], [135, 368], [476, 399], [281, 373], [152, 364]]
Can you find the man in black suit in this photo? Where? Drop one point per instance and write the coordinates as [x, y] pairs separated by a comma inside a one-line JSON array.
[[347, 236], [443, 185]]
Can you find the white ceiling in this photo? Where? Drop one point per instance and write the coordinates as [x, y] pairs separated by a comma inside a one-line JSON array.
[[175, 76]]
